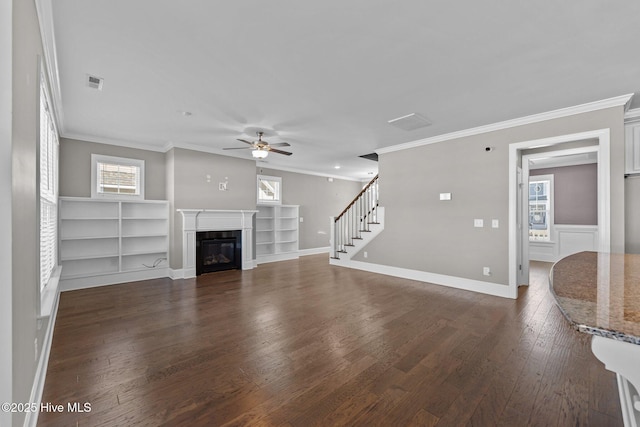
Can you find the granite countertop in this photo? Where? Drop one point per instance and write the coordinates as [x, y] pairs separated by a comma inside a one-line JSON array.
[[599, 293]]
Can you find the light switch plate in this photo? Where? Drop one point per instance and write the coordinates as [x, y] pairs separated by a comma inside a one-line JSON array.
[[445, 196], [495, 223], [478, 223]]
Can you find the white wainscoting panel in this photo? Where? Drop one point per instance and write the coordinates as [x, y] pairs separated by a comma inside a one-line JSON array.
[[566, 240]]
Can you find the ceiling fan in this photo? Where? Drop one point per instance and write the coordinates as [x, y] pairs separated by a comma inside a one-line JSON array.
[[262, 148]]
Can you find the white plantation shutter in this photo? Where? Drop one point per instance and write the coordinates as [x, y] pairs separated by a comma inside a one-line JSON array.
[[48, 150]]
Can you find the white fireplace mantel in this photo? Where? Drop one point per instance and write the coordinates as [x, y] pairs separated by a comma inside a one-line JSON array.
[[194, 220]]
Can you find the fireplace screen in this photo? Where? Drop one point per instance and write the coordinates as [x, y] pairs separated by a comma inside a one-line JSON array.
[[216, 251]]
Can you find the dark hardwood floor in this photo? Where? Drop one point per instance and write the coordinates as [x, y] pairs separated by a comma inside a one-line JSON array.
[[302, 343]]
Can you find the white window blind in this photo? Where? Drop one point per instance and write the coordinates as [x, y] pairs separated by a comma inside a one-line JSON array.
[[48, 172], [116, 177]]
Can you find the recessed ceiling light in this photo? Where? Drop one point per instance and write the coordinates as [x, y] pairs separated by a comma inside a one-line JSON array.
[[336, 167]]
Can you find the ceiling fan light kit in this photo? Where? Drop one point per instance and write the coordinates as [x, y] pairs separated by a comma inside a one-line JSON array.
[[259, 153], [260, 149]]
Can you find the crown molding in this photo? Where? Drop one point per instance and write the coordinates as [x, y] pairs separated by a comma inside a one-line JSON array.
[[108, 141], [618, 101], [44, 10], [261, 164], [632, 115], [304, 172]]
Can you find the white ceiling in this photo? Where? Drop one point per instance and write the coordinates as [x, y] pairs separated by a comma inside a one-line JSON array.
[[326, 76]]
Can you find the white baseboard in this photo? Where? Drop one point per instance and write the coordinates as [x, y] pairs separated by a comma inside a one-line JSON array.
[[112, 279], [262, 259], [176, 273], [314, 251], [31, 418], [479, 286]]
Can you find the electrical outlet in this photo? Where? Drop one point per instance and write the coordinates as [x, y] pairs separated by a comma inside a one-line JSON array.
[[478, 223], [365, 254], [301, 219], [486, 271], [495, 223]]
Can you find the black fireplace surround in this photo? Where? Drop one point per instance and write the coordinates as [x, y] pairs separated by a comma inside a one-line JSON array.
[[218, 250]]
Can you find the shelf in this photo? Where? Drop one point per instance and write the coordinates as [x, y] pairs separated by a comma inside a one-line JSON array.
[[64, 239], [148, 218], [91, 218], [132, 236], [134, 233], [279, 234], [132, 253], [87, 257]]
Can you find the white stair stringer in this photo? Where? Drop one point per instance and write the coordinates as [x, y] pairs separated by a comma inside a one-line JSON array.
[[359, 244]]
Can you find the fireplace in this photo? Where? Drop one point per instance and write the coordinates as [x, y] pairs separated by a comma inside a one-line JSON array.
[[218, 250], [195, 221]]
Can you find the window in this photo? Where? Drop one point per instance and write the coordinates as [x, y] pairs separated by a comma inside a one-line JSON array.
[[540, 207], [48, 149], [269, 190], [116, 177]]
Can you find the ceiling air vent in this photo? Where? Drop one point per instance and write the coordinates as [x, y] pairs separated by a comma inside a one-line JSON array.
[[411, 121], [94, 82]]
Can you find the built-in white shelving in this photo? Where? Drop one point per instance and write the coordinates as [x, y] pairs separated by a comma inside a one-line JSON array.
[[112, 241], [277, 232]]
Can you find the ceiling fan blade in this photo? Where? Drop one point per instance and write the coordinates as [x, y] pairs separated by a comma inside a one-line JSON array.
[[280, 144], [237, 148], [245, 141], [286, 153]]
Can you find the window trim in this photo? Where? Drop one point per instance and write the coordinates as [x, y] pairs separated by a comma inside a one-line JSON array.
[[100, 158], [268, 178], [47, 196], [550, 197]]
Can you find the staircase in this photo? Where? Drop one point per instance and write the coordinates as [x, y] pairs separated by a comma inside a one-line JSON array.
[[357, 225]]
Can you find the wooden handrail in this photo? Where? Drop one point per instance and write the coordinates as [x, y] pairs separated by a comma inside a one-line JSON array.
[[355, 199]]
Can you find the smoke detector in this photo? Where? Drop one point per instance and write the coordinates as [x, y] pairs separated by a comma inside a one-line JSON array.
[[411, 121], [94, 82]]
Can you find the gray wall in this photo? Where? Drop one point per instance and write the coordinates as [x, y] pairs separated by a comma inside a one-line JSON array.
[[319, 200], [425, 234], [575, 193], [24, 251], [180, 176], [192, 191], [75, 167], [632, 217]]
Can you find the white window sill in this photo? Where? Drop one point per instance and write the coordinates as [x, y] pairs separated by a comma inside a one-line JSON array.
[[49, 294], [543, 242]]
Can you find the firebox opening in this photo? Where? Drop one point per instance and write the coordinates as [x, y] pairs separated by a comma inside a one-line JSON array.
[[218, 250]]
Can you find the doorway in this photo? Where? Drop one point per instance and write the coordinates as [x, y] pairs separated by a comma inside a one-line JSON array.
[[520, 155]]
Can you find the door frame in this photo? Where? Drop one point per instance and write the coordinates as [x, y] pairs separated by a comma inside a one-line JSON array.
[[516, 245]]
